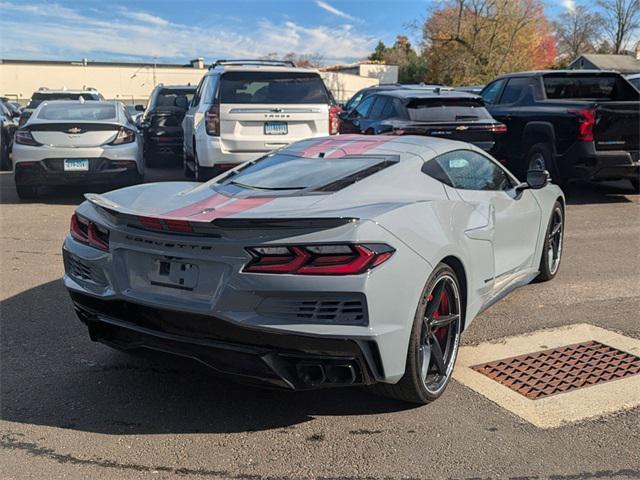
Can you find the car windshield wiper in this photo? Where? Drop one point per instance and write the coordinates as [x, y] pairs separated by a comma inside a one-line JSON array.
[[253, 187]]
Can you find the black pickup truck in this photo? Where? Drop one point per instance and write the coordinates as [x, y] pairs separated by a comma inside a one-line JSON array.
[[574, 123]]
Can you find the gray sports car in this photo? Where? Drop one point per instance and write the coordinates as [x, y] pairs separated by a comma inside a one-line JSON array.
[[346, 260]]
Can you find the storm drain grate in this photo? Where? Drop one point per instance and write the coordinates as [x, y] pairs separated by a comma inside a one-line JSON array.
[[558, 370]]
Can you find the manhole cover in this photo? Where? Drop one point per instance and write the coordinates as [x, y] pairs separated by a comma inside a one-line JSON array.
[[549, 372]]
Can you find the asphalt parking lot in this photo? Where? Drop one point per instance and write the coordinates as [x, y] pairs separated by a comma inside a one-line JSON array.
[[75, 409]]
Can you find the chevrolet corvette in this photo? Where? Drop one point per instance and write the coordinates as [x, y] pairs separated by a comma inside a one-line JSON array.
[[344, 260]]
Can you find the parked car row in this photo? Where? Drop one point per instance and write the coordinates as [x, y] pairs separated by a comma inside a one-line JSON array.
[[575, 124]]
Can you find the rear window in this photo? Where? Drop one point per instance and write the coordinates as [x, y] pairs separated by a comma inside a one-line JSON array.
[[175, 98], [80, 112], [38, 98], [287, 172], [273, 87], [588, 87], [447, 110]]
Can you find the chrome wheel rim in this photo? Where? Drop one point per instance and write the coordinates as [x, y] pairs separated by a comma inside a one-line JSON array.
[[440, 334], [537, 162], [554, 248]]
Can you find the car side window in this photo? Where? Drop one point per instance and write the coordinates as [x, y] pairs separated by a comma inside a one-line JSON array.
[[491, 91], [467, 170], [195, 101], [355, 100], [363, 108], [378, 107], [513, 90]]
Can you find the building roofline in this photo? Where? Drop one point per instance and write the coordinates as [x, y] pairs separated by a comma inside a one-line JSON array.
[[96, 63]]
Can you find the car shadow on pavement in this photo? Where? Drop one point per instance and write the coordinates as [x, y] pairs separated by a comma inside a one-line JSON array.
[[53, 375], [583, 193]]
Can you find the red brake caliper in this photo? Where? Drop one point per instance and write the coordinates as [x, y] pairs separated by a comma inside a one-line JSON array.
[[443, 309]]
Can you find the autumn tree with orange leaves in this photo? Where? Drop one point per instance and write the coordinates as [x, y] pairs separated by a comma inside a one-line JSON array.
[[469, 42]]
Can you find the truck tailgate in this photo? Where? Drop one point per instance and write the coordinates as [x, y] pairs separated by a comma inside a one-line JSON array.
[[617, 126]]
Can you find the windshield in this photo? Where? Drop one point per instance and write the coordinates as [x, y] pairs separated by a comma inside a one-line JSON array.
[[287, 172], [90, 111], [273, 87], [591, 86], [38, 98], [447, 110]]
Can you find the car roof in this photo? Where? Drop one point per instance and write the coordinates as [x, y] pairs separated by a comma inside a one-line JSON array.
[[412, 93], [258, 68], [539, 73], [62, 90], [177, 87]]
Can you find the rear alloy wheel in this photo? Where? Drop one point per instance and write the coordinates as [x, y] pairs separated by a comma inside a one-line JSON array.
[[434, 341], [552, 248], [26, 192]]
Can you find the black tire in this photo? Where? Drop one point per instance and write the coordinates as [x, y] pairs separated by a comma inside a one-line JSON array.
[[552, 247], [540, 157], [27, 192], [197, 173], [186, 169], [5, 160], [635, 184], [411, 387]]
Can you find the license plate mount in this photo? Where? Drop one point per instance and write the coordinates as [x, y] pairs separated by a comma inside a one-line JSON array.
[[174, 274], [276, 128], [76, 164]]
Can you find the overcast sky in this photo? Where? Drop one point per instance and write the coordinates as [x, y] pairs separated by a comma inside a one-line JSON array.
[[178, 30]]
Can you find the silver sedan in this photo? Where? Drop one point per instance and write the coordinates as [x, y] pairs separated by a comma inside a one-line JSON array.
[[77, 143]]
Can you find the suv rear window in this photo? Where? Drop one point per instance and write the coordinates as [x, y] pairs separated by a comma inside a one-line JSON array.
[[87, 112], [38, 98], [288, 172], [447, 110], [591, 86], [172, 97], [273, 87]]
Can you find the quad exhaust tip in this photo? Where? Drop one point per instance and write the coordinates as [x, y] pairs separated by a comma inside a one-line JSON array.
[[314, 374]]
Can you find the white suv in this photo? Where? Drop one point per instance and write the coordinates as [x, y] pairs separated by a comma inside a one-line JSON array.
[[244, 109]]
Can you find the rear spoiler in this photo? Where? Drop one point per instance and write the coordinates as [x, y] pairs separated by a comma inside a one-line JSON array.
[[120, 215]]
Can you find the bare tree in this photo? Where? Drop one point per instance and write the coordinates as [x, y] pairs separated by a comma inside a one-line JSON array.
[[577, 32], [621, 18]]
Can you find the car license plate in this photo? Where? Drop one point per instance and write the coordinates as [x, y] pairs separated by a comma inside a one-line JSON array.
[[170, 273], [76, 164], [276, 128]]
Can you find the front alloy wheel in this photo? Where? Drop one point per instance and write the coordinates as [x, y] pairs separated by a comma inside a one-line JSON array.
[[552, 248], [434, 341]]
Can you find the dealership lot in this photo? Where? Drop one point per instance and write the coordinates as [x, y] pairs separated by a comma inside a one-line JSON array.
[[76, 409]]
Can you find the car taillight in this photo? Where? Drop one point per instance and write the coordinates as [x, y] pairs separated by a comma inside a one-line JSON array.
[[22, 120], [212, 120], [499, 128], [334, 119], [345, 259], [24, 137], [124, 136], [586, 122], [88, 232]]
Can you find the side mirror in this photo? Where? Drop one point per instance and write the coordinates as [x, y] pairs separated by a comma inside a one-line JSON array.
[[343, 115], [537, 179], [139, 108]]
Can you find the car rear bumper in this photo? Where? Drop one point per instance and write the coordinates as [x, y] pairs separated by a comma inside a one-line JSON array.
[[50, 172], [585, 162], [280, 360]]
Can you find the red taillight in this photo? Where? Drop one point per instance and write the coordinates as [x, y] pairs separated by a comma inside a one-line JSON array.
[[124, 136], [586, 122], [334, 119], [212, 120], [24, 137], [499, 128], [343, 259], [88, 232]]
